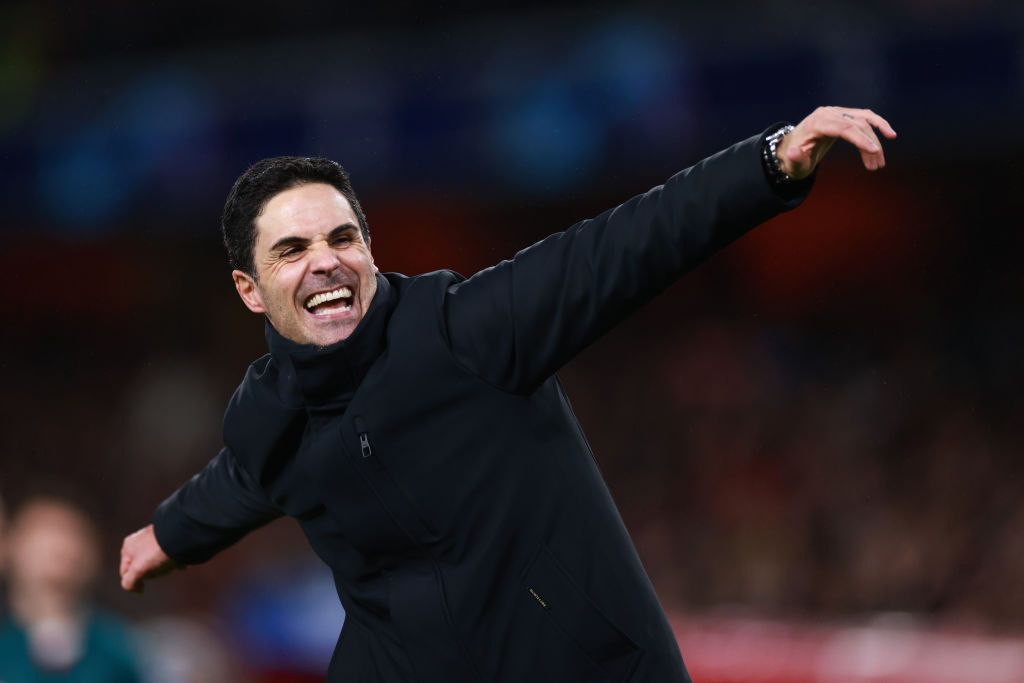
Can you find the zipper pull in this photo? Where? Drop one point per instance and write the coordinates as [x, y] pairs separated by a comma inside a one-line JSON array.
[[364, 436], [364, 445]]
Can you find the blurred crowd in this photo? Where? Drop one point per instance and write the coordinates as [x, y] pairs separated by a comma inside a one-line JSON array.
[[786, 474]]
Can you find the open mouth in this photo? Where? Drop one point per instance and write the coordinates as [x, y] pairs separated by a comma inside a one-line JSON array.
[[335, 301]]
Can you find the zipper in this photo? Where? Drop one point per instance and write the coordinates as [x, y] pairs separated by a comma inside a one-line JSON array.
[[364, 444], [367, 452]]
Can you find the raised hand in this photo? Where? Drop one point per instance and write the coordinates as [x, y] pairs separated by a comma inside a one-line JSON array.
[[142, 558], [801, 150]]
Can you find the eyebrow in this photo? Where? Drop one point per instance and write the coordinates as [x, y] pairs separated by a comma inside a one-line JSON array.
[[293, 241]]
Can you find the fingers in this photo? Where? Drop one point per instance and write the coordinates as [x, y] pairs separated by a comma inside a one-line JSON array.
[[142, 559], [870, 151], [876, 121], [873, 156], [131, 581], [130, 569], [854, 127], [862, 136], [126, 562]]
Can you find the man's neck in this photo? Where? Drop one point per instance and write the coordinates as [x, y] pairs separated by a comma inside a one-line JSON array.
[[331, 374]]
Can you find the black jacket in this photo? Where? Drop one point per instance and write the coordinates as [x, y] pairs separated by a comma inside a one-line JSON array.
[[434, 462]]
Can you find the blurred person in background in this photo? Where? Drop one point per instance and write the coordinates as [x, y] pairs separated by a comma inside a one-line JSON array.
[[416, 429], [3, 554], [52, 632]]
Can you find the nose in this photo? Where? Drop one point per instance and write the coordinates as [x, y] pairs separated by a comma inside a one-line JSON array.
[[322, 259]]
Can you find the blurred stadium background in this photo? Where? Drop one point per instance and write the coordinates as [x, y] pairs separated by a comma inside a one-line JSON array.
[[815, 439]]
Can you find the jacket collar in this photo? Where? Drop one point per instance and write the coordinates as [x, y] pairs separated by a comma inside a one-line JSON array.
[[331, 374]]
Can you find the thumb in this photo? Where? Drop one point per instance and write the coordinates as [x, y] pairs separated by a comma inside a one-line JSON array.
[[130, 581], [794, 153]]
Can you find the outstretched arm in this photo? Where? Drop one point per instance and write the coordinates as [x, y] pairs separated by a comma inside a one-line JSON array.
[[211, 511], [516, 323]]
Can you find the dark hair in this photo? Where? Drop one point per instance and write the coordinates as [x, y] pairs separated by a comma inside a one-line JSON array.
[[261, 182]]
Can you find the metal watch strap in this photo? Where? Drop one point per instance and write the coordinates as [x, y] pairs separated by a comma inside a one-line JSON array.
[[770, 159]]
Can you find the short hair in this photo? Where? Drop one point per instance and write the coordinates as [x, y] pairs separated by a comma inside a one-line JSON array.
[[264, 180]]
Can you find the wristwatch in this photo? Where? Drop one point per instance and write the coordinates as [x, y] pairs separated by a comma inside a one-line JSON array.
[[770, 159]]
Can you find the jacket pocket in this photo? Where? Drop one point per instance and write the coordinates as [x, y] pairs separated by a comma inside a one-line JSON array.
[[394, 497], [551, 589]]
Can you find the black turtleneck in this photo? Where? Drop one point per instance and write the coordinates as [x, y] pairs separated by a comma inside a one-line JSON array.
[[328, 376]]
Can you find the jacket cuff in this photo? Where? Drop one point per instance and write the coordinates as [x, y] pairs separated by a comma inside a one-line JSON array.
[[792, 193], [176, 535]]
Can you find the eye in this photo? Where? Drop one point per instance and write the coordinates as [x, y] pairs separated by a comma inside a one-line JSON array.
[[342, 239], [291, 252]]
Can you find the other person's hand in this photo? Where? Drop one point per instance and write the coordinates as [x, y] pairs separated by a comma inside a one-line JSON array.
[[801, 150], [142, 558]]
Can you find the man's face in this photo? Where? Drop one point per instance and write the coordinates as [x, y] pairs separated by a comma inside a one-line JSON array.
[[315, 274]]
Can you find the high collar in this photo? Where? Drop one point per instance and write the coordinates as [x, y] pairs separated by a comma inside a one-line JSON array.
[[330, 375]]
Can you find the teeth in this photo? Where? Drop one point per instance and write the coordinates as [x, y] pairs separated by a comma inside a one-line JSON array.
[[344, 307], [323, 297]]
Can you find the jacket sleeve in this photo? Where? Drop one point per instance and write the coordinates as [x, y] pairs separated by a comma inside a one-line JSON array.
[[518, 322], [211, 511]]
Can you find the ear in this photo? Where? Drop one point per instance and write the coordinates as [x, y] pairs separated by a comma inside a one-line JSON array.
[[248, 291]]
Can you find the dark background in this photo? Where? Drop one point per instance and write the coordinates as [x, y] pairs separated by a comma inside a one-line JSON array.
[[822, 425]]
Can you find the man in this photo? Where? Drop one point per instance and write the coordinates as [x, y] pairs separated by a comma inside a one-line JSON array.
[[415, 428], [52, 632]]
